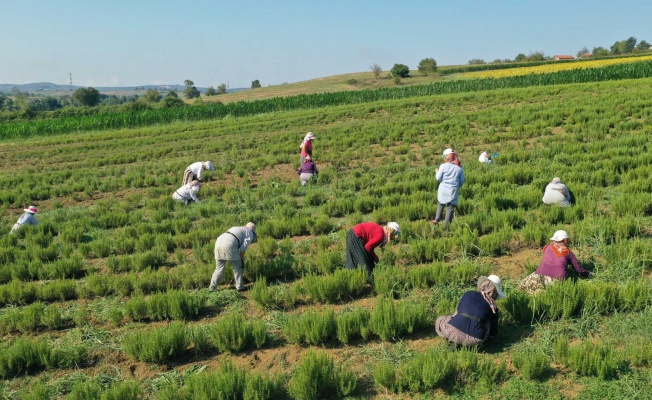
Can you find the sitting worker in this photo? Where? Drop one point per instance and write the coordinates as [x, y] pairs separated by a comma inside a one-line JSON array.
[[556, 258], [557, 193], [476, 318]]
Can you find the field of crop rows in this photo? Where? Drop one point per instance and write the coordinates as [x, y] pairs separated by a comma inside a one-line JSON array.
[[107, 297]]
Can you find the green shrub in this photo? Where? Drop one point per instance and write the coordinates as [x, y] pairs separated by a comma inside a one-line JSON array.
[[589, 359], [157, 345], [532, 364], [389, 320], [234, 333], [317, 377], [311, 328], [353, 324]]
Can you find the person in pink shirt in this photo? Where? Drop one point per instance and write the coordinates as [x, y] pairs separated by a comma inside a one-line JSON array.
[[306, 146], [556, 257]]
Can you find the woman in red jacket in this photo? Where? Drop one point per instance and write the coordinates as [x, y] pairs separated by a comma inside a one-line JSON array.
[[363, 238]]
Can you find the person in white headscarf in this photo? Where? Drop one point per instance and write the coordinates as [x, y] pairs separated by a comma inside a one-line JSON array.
[[26, 218], [306, 146], [451, 178], [557, 193], [484, 158], [194, 172], [187, 193]]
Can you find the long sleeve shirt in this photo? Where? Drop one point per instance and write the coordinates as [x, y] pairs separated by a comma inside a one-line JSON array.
[[451, 178], [473, 313], [233, 242], [556, 193], [372, 236], [187, 193], [555, 267], [25, 219], [306, 148], [197, 168]]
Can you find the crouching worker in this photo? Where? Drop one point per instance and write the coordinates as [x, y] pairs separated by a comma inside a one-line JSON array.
[[476, 318], [231, 246], [26, 218], [485, 158], [307, 171], [187, 193], [195, 171], [556, 257], [363, 238], [557, 193]]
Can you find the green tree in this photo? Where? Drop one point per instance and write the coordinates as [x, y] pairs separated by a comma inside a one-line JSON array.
[[376, 69], [211, 91], [536, 56], [582, 51], [172, 100], [427, 65], [87, 96], [221, 89], [152, 96], [48, 103], [190, 91], [600, 52], [477, 61], [624, 46], [643, 46], [400, 70], [255, 84], [520, 57]]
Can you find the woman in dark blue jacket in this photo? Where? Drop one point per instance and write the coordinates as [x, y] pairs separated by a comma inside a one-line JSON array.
[[477, 314]]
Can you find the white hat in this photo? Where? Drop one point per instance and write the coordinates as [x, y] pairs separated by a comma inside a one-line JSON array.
[[251, 226], [448, 151], [559, 236], [394, 226], [498, 283], [209, 165], [310, 136]]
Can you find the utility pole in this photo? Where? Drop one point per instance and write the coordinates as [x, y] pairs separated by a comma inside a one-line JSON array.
[[70, 82]]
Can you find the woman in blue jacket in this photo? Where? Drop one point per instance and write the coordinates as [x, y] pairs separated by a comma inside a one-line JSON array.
[[476, 317], [451, 177]]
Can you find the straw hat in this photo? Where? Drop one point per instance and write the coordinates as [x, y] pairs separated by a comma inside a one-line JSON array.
[[251, 226]]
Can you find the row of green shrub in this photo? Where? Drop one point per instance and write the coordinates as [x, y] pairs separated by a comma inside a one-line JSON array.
[[25, 355], [342, 284], [570, 298], [95, 285]]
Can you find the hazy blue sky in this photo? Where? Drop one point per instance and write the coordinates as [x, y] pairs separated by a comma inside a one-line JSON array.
[[138, 42]]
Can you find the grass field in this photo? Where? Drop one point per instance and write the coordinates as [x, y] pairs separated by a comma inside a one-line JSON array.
[[107, 297]]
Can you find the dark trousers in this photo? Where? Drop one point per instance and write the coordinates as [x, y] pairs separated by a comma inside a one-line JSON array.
[[449, 213], [356, 255]]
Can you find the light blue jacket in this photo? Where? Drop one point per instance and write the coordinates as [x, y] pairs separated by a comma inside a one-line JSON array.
[[452, 178]]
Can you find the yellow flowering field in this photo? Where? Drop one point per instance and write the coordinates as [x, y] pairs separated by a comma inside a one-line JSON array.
[[549, 68]]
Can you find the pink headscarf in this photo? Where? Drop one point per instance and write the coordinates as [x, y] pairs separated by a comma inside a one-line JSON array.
[[452, 158]]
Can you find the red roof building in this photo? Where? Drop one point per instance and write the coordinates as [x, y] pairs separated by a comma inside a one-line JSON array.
[[563, 57]]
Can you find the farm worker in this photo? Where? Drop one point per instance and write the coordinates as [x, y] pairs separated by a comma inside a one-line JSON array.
[[484, 158], [476, 317], [231, 246], [556, 257], [195, 170], [306, 146], [557, 193], [451, 176], [363, 238], [187, 193], [307, 171], [26, 218]]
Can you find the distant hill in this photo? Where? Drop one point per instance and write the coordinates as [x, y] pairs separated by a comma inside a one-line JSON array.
[[48, 87]]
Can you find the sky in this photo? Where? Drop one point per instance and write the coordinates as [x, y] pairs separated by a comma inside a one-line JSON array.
[[212, 42]]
